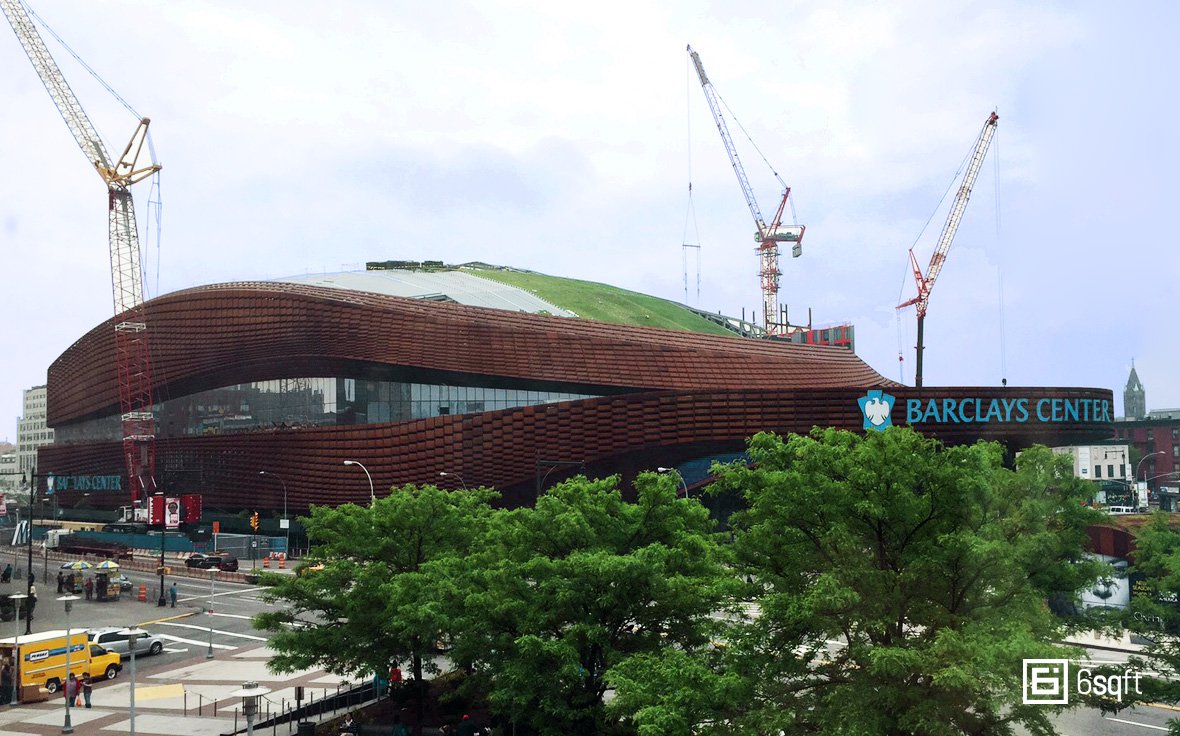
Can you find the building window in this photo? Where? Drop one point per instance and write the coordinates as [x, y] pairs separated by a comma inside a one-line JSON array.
[[1122, 470], [1097, 471], [1110, 470]]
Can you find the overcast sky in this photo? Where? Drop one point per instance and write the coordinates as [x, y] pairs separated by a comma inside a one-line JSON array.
[[302, 137]]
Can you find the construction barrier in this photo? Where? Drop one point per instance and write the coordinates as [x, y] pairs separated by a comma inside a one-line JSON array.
[[282, 560], [266, 561], [143, 594]]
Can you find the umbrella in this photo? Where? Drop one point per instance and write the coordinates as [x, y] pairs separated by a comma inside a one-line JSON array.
[[107, 566], [77, 565]]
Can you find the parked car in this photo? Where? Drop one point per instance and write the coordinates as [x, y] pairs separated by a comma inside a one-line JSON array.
[[112, 639], [209, 560], [122, 581]]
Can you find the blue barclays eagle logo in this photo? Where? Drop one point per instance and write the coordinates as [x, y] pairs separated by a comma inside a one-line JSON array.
[[877, 408]]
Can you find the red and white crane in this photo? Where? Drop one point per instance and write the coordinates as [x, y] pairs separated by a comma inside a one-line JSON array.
[[926, 283], [767, 236], [131, 336]]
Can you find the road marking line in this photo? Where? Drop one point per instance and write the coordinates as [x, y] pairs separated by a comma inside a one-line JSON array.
[[167, 619], [218, 631], [1134, 723], [169, 637]]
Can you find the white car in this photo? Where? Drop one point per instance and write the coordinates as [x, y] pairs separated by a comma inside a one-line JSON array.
[[112, 639]]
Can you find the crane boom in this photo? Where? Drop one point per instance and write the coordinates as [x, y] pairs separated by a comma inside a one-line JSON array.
[[131, 342], [925, 283], [768, 237]]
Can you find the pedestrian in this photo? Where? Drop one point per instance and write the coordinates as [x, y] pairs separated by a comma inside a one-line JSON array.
[[7, 574], [87, 687], [395, 681], [6, 684], [30, 602], [71, 689], [172, 594], [399, 728], [89, 588], [61, 581], [348, 726], [466, 727]]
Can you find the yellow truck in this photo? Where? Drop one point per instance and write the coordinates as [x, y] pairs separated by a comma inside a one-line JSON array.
[[41, 660]]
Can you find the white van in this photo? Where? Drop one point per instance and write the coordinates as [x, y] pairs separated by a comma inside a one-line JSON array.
[[1120, 510]]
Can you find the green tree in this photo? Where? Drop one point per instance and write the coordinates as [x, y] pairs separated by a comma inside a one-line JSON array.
[[899, 584], [382, 595], [564, 591], [1154, 614]]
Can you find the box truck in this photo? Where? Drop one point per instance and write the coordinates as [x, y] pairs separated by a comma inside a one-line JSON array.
[[41, 660]]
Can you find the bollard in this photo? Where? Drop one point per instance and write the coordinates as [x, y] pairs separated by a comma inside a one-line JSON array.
[[143, 594]]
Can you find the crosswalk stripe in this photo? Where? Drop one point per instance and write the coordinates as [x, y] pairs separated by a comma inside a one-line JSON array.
[[215, 631], [169, 637]]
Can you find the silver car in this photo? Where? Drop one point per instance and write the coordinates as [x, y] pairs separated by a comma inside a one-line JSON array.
[[113, 639]]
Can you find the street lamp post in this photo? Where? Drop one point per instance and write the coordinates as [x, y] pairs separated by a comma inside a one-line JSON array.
[[212, 585], [29, 571], [250, 693], [286, 519], [678, 475], [163, 533], [1140, 463], [552, 465], [17, 598], [372, 495], [132, 643], [445, 474], [68, 727]]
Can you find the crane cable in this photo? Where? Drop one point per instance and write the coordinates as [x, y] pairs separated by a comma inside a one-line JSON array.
[[155, 201], [690, 214], [779, 179], [999, 264], [907, 274]]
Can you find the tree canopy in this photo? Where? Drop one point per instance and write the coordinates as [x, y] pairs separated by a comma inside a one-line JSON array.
[[879, 584], [899, 584]]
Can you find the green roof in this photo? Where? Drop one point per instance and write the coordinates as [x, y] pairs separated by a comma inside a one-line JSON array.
[[591, 300]]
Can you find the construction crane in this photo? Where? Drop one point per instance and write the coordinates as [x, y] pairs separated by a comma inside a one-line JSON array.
[[926, 283], [131, 336], [767, 236]]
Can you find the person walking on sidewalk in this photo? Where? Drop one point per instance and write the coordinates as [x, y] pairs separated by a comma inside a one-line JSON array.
[[172, 594], [87, 686], [89, 587], [71, 689]]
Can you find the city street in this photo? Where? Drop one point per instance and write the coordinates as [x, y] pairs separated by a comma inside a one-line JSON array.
[[182, 690]]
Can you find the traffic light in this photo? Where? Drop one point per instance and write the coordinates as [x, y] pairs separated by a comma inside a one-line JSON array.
[[254, 521]]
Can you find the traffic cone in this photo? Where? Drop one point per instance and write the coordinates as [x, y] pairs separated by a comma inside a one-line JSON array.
[[266, 561], [143, 594], [282, 560]]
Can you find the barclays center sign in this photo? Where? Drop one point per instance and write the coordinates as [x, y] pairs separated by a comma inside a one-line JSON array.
[[881, 410]]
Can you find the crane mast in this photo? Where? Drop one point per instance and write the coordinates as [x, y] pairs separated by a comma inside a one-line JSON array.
[[131, 336], [768, 237], [925, 283]]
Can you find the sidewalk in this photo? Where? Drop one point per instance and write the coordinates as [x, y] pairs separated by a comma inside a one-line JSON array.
[[1096, 640], [197, 704]]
